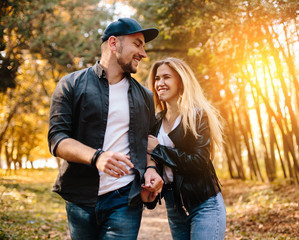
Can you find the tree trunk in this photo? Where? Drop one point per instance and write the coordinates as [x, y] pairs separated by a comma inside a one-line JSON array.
[[269, 170]]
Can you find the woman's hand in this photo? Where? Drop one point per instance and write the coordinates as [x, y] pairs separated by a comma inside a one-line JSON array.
[[152, 143]]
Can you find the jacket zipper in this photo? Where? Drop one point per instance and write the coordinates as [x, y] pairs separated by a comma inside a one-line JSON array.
[[183, 205]]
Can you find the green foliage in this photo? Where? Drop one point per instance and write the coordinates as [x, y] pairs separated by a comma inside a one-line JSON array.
[[40, 41], [60, 31], [242, 52], [212, 35]]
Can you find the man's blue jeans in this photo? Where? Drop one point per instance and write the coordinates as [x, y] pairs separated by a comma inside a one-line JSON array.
[[111, 219], [206, 221]]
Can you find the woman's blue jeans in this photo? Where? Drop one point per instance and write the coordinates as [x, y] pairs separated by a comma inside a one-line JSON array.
[[207, 221], [112, 218]]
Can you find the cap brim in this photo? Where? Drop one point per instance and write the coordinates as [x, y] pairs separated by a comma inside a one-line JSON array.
[[150, 34]]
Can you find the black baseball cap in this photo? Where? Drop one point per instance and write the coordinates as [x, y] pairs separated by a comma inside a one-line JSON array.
[[126, 26]]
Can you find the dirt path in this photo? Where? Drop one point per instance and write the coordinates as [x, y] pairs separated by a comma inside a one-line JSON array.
[[154, 224], [254, 211]]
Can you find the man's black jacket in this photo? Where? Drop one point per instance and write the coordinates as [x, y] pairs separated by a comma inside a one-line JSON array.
[[79, 110]]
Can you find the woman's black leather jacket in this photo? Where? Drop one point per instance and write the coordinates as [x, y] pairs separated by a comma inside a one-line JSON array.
[[195, 179]]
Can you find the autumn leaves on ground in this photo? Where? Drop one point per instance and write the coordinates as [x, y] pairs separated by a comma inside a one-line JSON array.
[[29, 210]]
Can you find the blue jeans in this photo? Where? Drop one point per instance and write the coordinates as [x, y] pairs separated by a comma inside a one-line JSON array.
[[206, 221], [111, 219]]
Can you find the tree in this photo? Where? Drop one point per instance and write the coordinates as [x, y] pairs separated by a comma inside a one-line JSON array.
[[65, 32], [230, 44], [40, 42]]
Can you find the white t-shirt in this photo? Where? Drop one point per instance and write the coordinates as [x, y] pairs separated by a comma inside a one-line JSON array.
[[116, 136], [166, 141]]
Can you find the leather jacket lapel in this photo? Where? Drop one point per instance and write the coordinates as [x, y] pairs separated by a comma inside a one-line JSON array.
[[177, 136]]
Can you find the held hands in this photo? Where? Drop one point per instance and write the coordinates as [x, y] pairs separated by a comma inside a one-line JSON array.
[[147, 196], [114, 163], [152, 186], [153, 183]]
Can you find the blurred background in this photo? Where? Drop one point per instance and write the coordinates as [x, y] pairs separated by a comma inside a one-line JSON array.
[[245, 55]]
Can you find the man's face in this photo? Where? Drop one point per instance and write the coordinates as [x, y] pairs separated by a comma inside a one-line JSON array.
[[130, 51]]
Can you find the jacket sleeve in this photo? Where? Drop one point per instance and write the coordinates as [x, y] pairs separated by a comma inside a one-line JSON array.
[[152, 113], [194, 157], [60, 117]]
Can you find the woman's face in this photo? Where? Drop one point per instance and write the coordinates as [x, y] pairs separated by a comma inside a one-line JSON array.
[[167, 84]]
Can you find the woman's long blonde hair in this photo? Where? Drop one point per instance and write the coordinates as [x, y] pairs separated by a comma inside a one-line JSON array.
[[191, 101]]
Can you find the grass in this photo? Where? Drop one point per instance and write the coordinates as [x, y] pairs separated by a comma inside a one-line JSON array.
[[29, 210]]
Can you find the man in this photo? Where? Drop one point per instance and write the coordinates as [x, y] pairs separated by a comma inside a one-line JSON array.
[[100, 118]]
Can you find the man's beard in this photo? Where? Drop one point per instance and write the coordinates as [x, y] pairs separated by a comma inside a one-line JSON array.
[[126, 67]]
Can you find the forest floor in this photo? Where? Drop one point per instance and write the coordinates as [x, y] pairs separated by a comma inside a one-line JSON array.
[[29, 210]]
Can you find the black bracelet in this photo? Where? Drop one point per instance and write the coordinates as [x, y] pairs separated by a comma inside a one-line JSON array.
[[153, 168], [96, 156]]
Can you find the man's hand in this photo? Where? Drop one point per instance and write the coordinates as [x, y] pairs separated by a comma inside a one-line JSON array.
[[114, 163]]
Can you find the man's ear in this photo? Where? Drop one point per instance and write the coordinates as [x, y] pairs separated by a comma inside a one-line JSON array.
[[112, 40]]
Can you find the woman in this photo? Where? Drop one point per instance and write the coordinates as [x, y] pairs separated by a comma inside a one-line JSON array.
[[188, 131]]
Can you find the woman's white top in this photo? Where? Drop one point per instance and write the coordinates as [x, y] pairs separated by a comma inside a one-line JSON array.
[[166, 141]]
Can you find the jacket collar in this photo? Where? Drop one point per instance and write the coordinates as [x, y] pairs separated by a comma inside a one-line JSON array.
[[176, 135], [100, 72]]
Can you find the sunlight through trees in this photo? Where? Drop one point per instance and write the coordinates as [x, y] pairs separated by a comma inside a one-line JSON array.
[[245, 55]]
